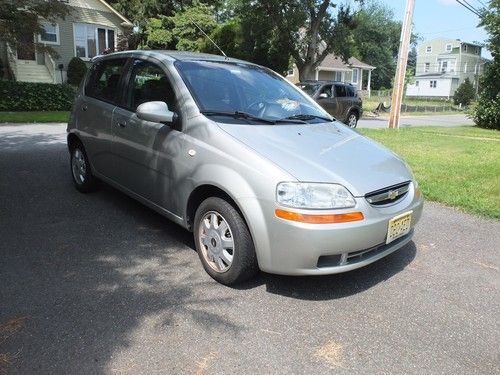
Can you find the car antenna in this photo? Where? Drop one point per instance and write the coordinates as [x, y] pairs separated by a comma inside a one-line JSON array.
[[215, 44]]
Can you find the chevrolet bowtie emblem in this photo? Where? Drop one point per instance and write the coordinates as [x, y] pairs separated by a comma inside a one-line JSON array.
[[392, 194]]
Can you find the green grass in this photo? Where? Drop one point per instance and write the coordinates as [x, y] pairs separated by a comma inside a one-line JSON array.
[[27, 117], [456, 166]]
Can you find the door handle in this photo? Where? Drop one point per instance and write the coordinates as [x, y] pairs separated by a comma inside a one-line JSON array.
[[122, 124], [84, 107]]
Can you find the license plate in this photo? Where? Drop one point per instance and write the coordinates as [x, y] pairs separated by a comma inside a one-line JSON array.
[[398, 226]]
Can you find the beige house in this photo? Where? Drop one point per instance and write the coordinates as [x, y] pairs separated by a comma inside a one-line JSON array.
[[333, 68], [442, 65], [91, 28]]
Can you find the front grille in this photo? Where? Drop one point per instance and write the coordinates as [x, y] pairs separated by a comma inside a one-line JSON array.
[[357, 256], [388, 195]]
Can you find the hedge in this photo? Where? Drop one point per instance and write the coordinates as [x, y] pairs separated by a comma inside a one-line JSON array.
[[29, 96]]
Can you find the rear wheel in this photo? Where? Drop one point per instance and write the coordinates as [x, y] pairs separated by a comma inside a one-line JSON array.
[[352, 120], [223, 242], [83, 179]]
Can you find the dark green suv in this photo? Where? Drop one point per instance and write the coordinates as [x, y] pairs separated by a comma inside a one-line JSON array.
[[339, 99]]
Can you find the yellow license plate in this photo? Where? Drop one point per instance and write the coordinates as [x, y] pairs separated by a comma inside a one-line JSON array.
[[398, 226]]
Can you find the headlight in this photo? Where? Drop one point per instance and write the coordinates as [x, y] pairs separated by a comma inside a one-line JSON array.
[[313, 195]]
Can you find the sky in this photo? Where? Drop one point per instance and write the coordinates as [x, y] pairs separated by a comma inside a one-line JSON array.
[[443, 18]]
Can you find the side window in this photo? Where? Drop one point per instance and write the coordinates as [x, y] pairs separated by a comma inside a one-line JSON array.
[[327, 89], [104, 80], [350, 91], [340, 91], [148, 83]]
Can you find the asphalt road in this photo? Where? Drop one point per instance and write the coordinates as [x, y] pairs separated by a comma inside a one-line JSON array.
[[99, 284], [409, 121]]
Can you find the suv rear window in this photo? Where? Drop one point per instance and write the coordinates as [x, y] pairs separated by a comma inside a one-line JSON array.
[[350, 91], [104, 79]]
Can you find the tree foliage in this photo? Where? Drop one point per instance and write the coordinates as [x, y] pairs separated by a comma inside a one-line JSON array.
[[20, 19], [487, 111], [76, 71], [465, 93]]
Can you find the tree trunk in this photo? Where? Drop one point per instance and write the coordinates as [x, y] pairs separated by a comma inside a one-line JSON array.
[[306, 72]]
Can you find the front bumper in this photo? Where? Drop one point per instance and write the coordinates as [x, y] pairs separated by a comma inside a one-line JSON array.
[[319, 249]]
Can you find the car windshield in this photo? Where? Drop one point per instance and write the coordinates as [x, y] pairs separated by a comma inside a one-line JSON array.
[[309, 88], [247, 93]]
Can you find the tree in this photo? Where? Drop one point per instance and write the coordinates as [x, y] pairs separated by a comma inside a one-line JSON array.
[[487, 111], [465, 93], [20, 19], [178, 31]]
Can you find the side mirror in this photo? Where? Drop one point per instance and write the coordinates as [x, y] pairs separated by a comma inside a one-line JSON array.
[[323, 95], [155, 112]]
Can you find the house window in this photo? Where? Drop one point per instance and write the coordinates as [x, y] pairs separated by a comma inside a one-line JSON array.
[[433, 84], [428, 49], [448, 48], [355, 73], [477, 50], [465, 47], [338, 76], [91, 40], [444, 66], [427, 67], [49, 34], [416, 83]]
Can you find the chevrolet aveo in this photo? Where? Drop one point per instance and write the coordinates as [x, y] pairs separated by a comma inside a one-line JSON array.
[[260, 173]]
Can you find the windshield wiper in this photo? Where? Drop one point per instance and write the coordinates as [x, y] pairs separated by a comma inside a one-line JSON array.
[[238, 114], [305, 117]]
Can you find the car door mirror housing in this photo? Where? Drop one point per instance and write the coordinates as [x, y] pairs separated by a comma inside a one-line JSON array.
[[323, 95], [156, 112]]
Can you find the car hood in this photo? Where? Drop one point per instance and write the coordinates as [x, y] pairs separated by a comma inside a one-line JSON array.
[[328, 152]]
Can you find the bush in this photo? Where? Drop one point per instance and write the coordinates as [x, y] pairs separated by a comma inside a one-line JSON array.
[[29, 96], [76, 71], [465, 93], [487, 113]]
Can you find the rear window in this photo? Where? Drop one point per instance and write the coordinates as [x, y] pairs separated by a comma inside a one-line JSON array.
[[104, 79], [351, 91], [340, 91]]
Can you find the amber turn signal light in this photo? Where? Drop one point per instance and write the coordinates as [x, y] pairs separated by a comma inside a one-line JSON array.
[[319, 219]]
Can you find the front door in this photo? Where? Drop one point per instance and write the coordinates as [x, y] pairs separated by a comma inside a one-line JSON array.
[[26, 49], [144, 150]]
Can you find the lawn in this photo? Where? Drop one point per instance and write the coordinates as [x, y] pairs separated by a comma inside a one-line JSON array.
[[456, 166], [27, 117]]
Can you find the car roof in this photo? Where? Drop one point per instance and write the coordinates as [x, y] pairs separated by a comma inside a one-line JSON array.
[[322, 82], [170, 55]]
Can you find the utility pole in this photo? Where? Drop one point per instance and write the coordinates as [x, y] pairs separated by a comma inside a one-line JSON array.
[[399, 80]]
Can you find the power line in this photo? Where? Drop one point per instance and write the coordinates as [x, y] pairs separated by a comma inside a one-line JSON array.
[[471, 9]]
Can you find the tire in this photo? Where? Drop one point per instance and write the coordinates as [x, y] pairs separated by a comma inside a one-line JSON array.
[[352, 120], [81, 172], [227, 254]]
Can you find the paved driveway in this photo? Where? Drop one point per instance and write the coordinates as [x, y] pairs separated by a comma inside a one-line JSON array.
[[99, 284], [408, 121]]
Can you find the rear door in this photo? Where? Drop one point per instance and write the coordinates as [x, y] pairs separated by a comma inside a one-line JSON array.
[[94, 111], [343, 101], [144, 150]]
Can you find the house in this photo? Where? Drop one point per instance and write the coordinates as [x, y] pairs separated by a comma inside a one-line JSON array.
[[335, 69], [91, 27], [442, 65]]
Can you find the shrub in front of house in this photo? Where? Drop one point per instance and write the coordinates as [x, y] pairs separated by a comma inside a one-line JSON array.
[[465, 93], [76, 71], [30, 96]]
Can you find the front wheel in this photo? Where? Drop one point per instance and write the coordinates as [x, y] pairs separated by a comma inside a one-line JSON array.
[[223, 242], [352, 120]]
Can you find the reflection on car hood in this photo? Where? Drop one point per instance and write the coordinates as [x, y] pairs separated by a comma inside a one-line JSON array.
[[328, 152]]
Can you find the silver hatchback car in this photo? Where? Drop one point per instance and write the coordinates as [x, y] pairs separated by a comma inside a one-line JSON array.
[[230, 150]]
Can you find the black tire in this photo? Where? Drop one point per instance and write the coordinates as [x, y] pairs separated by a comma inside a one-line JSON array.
[[244, 261], [352, 119], [81, 173]]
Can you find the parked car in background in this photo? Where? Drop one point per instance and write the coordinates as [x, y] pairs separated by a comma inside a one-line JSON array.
[[338, 98], [255, 168]]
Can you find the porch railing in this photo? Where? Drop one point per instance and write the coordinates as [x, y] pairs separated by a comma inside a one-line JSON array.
[[51, 65], [11, 57]]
